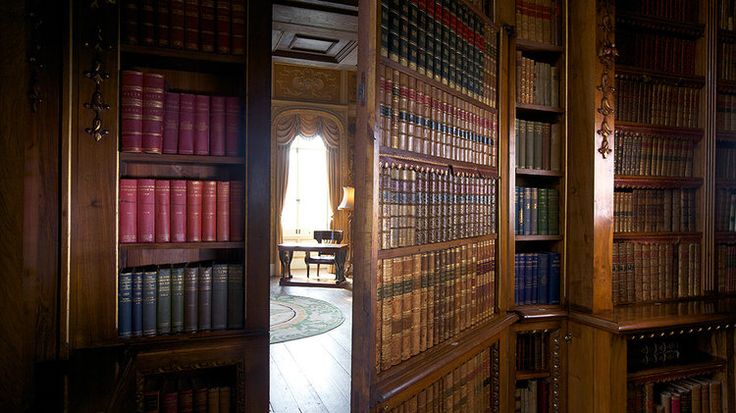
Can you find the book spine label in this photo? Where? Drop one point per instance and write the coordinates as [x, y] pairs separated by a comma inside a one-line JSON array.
[[125, 304], [237, 217], [163, 313], [217, 126], [209, 211], [201, 125], [223, 26], [194, 211], [146, 204], [149, 303], [128, 210], [177, 299], [177, 31], [171, 123], [207, 25], [153, 112], [219, 296], [190, 299], [137, 310], [131, 111], [238, 27], [191, 12], [178, 210], [163, 208], [204, 302], [235, 296], [233, 132], [186, 124], [223, 211]]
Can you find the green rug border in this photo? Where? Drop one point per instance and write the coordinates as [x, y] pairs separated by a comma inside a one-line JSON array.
[[334, 308]]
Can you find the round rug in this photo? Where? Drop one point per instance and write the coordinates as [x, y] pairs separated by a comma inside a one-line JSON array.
[[294, 317]]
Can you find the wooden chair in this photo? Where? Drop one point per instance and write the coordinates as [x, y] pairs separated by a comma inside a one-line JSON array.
[[327, 237]]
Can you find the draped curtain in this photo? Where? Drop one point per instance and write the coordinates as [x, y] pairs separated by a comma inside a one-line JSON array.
[[310, 125]]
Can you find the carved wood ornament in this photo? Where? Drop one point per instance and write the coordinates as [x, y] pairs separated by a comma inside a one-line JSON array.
[[97, 73], [607, 54], [555, 336], [35, 22]]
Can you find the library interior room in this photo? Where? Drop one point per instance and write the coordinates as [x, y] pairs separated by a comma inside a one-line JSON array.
[[406, 206]]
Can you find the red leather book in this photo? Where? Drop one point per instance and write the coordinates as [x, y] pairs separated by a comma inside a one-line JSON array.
[[171, 123], [238, 27], [147, 19], [194, 211], [186, 124], [131, 108], [170, 402], [178, 210], [163, 23], [201, 125], [223, 211], [222, 26], [130, 22], [191, 24], [207, 25], [128, 210], [209, 211], [217, 126], [146, 205], [233, 118], [153, 112], [186, 401], [176, 25], [163, 210], [237, 218]]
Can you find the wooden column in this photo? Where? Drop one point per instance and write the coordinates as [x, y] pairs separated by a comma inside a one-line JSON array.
[[591, 165]]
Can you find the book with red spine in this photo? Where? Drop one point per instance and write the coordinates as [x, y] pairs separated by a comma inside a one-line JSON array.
[[223, 211], [146, 205], [237, 27], [176, 24], [153, 112], [163, 21], [233, 113], [209, 211], [147, 19], [128, 210], [130, 22], [237, 218], [171, 123], [201, 125], [191, 24], [131, 108], [163, 210], [186, 124], [222, 26], [178, 210], [194, 211], [207, 25], [217, 126]]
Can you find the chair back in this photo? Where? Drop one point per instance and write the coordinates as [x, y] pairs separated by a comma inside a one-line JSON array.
[[328, 236]]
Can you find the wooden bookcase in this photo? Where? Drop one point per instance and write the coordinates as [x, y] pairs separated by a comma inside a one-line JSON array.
[[93, 166]]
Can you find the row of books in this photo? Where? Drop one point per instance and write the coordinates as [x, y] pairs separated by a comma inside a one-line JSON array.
[[680, 10], [727, 66], [656, 103], [726, 162], [726, 268], [532, 396], [726, 209], [422, 205], [537, 211], [658, 52], [699, 394], [655, 271], [182, 395], [537, 145], [531, 351], [206, 25], [444, 40], [156, 121], [464, 389], [537, 83], [421, 118], [726, 14], [537, 278], [725, 112], [655, 210], [177, 210], [539, 20], [648, 353], [425, 299], [180, 299], [653, 154]]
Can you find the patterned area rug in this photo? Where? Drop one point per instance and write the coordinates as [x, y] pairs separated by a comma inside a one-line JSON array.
[[294, 317]]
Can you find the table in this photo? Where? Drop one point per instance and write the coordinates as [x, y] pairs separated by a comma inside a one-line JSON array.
[[286, 252]]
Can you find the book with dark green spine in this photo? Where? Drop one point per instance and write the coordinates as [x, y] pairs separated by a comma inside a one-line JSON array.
[[219, 296], [543, 212], [177, 299], [190, 298], [534, 208], [149, 303], [235, 296], [553, 211], [204, 301], [163, 307], [538, 146]]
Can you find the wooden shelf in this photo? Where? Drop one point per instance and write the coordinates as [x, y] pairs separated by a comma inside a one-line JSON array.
[[434, 83], [530, 108], [431, 160], [538, 172], [676, 372], [184, 337], [647, 73], [538, 47], [726, 237], [436, 246], [531, 375], [696, 134], [537, 312], [153, 158], [626, 181], [657, 236], [537, 238], [182, 245], [692, 30], [182, 54]]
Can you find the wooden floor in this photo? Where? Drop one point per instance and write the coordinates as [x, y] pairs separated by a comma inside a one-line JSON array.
[[313, 374]]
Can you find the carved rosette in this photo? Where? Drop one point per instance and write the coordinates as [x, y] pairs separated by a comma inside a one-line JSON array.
[[97, 73], [495, 378], [555, 365], [607, 54]]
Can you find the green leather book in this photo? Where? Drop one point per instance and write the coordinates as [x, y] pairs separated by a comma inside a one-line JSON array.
[[163, 307], [177, 299]]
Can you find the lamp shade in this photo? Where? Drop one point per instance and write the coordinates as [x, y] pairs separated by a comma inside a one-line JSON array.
[[348, 195]]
